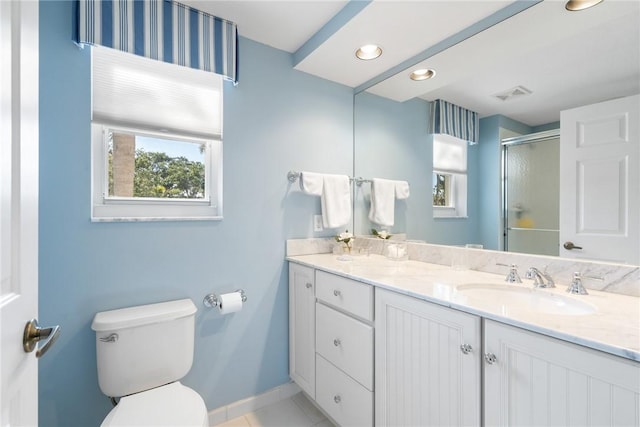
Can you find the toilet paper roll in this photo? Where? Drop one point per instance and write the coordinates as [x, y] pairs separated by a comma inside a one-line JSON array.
[[230, 303]]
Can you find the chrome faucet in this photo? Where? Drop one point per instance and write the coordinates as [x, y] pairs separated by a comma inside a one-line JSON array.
[[512, 276], [576, 285], [539, 278]]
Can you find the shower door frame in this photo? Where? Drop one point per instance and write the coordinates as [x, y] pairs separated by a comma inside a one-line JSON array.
[[504, 145]]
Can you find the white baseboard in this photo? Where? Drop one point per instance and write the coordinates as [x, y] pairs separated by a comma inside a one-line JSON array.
[[250, 404]]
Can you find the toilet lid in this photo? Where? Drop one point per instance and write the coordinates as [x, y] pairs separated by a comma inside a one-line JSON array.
[[170, 405]]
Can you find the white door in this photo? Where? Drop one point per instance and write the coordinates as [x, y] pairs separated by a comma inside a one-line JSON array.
[[18, 209], [600, 181]]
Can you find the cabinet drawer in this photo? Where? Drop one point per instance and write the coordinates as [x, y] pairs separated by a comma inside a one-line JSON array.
[[346, 294], [346, 401], [345, 342]]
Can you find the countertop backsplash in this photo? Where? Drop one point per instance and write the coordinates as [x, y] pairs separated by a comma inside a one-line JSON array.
[[618, 278]]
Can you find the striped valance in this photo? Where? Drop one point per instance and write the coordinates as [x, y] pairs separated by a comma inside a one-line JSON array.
[[162, 30], [450, 119]]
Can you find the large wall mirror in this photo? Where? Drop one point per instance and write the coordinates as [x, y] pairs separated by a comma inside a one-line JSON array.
[[518, 75]]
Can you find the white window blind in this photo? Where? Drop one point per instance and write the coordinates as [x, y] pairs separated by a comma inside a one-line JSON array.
[[129, 90], [449, 154]]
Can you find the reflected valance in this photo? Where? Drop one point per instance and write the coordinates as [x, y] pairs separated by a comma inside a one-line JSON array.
[[450, 119], [161, 29]]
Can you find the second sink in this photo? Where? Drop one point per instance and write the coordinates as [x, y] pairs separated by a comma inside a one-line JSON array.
[[514, 297]]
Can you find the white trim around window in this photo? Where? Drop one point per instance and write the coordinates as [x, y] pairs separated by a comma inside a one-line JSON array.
[[458, 197], [107, 208]]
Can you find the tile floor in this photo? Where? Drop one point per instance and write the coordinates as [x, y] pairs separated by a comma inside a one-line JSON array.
[[296, 411]]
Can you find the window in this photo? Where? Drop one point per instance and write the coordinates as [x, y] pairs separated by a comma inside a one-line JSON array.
[[156, 140], [442, 189], [449, 177]]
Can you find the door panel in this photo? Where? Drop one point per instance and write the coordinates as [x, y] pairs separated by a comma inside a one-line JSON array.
[[18, 208], [599, 181]]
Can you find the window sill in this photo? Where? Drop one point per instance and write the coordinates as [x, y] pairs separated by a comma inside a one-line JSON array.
[[450, 217], [145, 212], [444, 212], [155, 219]]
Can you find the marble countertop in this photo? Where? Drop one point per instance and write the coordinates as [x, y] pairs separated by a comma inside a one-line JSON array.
[[604, 321]]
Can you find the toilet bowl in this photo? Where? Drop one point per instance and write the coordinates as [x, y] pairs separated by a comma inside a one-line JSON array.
[[142, 352]]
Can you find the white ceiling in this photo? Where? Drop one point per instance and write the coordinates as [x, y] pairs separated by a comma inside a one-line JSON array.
[[565, 58]]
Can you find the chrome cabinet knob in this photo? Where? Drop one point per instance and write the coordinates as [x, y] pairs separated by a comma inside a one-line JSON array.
[[466, 348], [337, 398], [337, 293], [490, 358], [337, 342], [309, 285]]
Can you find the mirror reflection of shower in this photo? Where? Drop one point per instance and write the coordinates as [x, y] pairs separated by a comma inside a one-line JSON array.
[[531, 193]]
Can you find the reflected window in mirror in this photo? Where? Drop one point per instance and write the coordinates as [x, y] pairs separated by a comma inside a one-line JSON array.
[[449, 177], [442, 189]]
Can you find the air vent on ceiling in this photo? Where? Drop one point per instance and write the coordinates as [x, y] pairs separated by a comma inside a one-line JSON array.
[[515, 92]]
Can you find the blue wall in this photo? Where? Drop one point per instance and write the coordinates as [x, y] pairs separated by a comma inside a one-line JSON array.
[[392, 141], [276, 119]]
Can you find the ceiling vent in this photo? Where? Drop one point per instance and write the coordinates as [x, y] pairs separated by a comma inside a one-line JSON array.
[[516, 92]]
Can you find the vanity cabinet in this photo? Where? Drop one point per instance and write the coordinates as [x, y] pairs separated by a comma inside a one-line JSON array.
[[428, 363], [424, 364], [302, 327], [531, 379], [331, 343]]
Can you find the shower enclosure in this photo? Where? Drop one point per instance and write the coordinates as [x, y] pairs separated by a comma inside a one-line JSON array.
[[531, 193]]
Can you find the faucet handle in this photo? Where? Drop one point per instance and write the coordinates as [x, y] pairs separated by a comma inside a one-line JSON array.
[[576, 286], [512, 276]]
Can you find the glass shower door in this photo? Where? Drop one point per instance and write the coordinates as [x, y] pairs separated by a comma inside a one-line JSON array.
[[531, 194]]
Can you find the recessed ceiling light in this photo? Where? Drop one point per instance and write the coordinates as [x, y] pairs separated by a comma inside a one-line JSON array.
[[422, 74], [368, 51], [576, 5]]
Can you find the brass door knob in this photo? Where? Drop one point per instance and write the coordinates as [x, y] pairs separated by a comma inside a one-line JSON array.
[[33, 334]]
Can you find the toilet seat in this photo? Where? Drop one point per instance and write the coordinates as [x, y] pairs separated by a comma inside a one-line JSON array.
[[170, 405]]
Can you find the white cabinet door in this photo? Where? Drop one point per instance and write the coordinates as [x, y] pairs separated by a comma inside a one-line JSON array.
[[600, 180], [302, 324], [541, 381], [422, 376]]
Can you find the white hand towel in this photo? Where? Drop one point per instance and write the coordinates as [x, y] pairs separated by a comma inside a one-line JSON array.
[[311, 183], [402, 190], [383, 197], [336, 201]]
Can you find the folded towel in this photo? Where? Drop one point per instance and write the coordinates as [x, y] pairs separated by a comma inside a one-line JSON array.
[[402, 190], [335, 196], [383, 195], [335, 201], [311, 183]]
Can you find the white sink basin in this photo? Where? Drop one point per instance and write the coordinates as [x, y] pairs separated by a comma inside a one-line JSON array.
[[513, 298]]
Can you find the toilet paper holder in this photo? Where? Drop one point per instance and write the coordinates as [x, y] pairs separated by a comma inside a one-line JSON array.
[[212, 300]]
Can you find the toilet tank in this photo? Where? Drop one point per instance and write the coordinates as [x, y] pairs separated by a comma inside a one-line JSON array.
[[142, 347]]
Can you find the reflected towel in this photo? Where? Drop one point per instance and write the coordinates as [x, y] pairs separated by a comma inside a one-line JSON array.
[[402, 190], [383, 197]]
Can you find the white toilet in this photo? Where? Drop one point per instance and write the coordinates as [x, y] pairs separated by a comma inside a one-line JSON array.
[[142, 352]]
